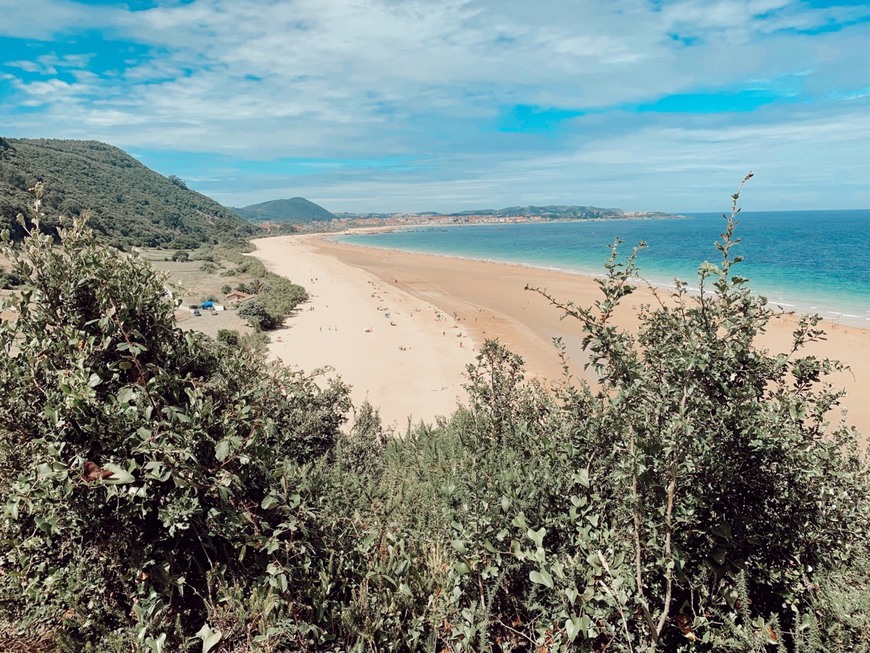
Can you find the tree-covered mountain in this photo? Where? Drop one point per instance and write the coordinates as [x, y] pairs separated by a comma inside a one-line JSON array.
[[129, 203], [293, 210]]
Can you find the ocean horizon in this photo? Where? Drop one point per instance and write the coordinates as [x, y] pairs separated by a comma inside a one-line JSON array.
[[804, 261]]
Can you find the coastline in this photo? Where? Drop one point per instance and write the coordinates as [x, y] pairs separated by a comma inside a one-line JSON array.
[[832, 315], [479, 299], [771, 275]]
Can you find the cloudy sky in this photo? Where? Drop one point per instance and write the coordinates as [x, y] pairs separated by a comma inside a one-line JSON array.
[[387, 105]]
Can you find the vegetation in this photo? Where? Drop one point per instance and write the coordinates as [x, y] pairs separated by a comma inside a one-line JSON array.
[[129, 204], [276, 296], [145, 469], [294, 210], [559, 212], [165, 492], [551, 212]]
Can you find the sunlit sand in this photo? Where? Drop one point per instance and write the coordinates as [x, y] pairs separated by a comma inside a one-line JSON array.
[[401, 327]]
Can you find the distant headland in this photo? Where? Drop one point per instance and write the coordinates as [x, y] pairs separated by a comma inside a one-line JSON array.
[[132, 205], [326, 221]]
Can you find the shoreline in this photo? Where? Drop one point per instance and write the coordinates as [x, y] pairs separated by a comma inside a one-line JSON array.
[[797, 308], [844, 314], [486, 299]]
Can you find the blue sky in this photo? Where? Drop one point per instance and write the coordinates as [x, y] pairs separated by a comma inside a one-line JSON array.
[[391, 105]]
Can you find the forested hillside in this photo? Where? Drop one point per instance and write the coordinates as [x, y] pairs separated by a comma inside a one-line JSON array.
[[294, 210], [130, 204]]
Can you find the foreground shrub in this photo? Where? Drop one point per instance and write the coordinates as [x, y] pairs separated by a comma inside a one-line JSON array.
[[143, 468], [167, 492], [696, 498], [714, 477]]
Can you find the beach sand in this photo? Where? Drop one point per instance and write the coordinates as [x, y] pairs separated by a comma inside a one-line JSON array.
[[411, 362], [402, 354]]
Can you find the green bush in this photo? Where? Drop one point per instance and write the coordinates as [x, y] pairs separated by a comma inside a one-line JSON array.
[[259, 316], [274, 302], [228, 336], [695, 499], [711, 463], [144, 469]]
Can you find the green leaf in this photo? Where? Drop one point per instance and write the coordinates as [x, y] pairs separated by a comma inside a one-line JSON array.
[[268, 501], [209, 637], [537, 536], [50, 414], [578, 502], [462, 568], [723, 530], [572, 627], [558, 569], [571, 593], [222, 450], [577, 626], [156, 645], [541, 578], [120, 476], [718, 555]]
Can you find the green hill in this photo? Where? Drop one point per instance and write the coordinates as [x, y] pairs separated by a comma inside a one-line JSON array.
[[549, 212], [296, 209], [129, 203]]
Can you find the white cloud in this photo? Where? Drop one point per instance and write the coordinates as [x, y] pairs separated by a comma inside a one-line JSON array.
[[42, 19], [430, 78], [26, 66]]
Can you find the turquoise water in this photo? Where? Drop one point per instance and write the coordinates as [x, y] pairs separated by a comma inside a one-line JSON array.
[[812, 261]]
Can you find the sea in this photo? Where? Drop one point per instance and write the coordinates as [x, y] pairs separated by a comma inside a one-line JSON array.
[[806, 261]]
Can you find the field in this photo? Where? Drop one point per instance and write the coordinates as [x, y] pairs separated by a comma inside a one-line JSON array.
[[197, 285]]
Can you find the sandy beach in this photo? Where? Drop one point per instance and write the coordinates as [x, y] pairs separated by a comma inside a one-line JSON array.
[[401, 327]]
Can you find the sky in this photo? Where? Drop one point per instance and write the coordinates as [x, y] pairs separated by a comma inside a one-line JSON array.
[[447, 105]]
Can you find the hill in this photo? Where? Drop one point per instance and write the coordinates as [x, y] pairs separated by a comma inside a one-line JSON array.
[[554, 212], [549, 212], [294, 210], [130, 204]]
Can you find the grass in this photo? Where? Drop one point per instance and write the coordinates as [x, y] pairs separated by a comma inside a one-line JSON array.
[[196, 286]]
